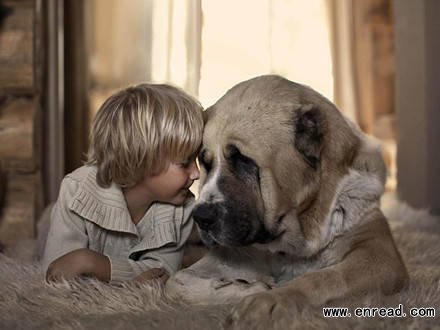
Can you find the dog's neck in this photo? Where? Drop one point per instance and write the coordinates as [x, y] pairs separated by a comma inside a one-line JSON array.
[[356, 193]]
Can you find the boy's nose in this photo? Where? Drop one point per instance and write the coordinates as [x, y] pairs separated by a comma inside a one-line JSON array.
[[195, 173]]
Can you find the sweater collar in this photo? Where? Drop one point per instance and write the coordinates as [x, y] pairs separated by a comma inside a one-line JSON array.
[[105, 207]]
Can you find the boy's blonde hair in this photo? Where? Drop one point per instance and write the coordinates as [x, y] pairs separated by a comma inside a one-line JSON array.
[[140, 129]]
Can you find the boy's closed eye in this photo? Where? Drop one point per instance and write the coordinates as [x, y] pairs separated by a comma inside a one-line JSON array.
[[186, 163]]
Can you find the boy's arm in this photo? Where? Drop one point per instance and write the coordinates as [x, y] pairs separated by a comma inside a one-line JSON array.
[[168, 258], [155, 274], [80, 262]]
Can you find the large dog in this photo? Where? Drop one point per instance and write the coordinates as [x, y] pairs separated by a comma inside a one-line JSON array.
[[289, 202]]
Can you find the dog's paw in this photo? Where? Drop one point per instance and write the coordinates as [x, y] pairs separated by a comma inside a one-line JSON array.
[[239, 287], [186, 285], [267, 310]]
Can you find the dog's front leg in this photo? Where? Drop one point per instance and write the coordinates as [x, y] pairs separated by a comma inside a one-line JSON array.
[[371, 265], [197, 288], [222, 276]]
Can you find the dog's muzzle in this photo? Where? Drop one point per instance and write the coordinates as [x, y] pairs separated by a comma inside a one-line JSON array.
[[205, 215], [229, 229]]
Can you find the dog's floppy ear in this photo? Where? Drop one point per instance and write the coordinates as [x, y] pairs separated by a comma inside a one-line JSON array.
[[205, 114], [308, 134], [208, 113]]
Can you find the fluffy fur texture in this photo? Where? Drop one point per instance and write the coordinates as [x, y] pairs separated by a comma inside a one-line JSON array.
[[26, 302]]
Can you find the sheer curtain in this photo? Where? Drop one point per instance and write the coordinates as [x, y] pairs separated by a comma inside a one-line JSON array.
[[246, 38], [363, 62], [133, 41], [311, 42], [340, 25], [176, 43]]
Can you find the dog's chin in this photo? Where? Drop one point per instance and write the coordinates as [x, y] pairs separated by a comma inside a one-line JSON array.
[[211, 238], [263, 236], [207, 238]]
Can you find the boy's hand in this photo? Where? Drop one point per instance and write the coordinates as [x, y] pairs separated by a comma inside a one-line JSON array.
[[79, 262], [154, 274]]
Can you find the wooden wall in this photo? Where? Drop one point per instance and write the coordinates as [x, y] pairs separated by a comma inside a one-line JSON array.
[[20, 119]]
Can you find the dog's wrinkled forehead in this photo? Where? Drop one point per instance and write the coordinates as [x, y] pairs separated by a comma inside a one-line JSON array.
[[251, 111]]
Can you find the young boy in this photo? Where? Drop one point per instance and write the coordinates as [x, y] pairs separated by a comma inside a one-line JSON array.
[[126, 213]]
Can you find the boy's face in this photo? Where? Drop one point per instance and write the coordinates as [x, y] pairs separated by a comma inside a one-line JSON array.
[[172, 185]]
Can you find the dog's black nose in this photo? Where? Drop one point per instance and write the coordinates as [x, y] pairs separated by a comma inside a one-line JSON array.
[[205, 215]]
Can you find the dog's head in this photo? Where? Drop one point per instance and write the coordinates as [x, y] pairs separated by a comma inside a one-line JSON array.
[[271, 149]]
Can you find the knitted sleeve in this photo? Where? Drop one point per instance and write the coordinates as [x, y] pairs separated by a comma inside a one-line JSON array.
[[67, 230]]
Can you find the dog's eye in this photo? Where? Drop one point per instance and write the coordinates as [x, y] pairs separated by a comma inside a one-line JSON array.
[[235, 156], [204, 160], [243, 165]]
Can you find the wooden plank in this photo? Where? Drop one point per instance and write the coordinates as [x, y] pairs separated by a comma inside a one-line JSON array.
[[16, 47], [19, 211], [17, 134]]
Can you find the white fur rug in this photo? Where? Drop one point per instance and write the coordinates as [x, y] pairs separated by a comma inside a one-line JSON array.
[[26, 302]]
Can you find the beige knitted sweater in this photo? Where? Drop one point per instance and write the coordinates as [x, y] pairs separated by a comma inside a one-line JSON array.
[[89, 216]]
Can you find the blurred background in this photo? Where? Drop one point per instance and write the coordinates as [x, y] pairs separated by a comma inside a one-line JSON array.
[[377, 60]]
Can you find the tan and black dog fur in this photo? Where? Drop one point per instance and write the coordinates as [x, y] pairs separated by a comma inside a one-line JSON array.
[[289, 202]]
